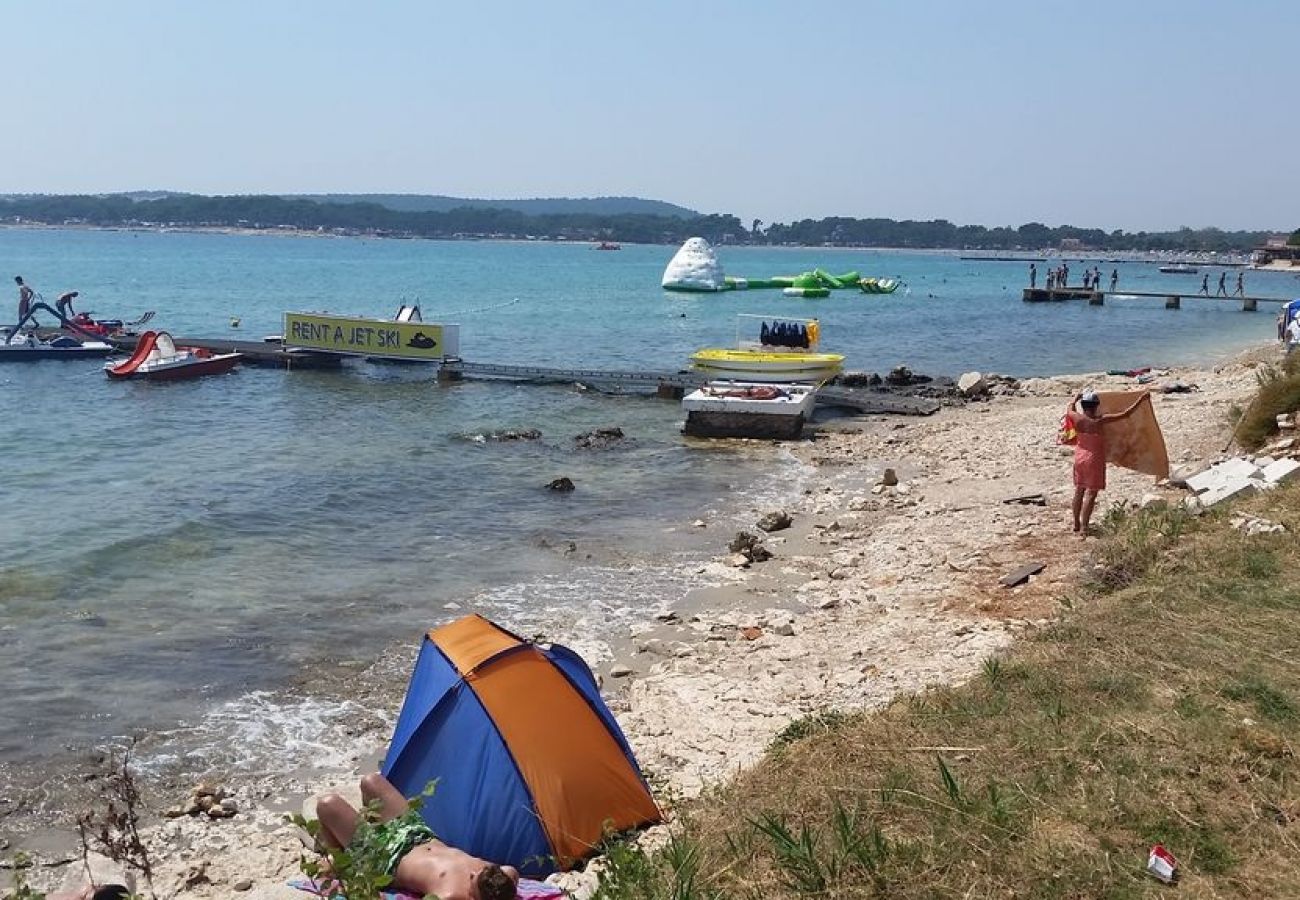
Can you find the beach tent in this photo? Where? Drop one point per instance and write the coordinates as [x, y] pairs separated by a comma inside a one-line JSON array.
[[531, 768], [1292, 310]]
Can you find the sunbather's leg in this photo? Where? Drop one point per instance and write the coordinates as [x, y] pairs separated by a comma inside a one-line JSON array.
[[391, 802], [338, 820]]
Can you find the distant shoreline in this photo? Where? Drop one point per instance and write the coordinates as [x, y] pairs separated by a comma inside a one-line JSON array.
[[1043, 256]]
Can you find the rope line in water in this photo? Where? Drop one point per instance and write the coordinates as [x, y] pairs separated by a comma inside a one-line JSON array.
[[466, 312]]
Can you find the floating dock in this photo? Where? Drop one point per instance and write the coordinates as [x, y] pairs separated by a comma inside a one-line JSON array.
[[675, 384], [1173, 300]]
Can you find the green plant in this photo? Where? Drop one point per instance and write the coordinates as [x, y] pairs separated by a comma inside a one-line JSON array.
[[807, 726]]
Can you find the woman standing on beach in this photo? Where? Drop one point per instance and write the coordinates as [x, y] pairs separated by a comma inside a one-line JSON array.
[[1084, 430]]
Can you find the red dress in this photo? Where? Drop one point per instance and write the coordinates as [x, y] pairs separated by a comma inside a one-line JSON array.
[[1089, 453]]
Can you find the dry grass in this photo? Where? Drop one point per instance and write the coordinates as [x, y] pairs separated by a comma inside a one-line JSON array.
[[1279, 392], [1164, 707]]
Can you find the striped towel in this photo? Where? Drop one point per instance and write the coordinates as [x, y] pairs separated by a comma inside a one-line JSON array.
[[528, 890]]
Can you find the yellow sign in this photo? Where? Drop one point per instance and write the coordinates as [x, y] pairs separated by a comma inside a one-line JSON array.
[[370, 337]]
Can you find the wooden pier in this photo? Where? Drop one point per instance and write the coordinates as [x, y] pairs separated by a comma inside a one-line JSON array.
[[1172, 300]]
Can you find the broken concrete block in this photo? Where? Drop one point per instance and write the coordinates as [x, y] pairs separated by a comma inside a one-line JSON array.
[[1222, 474], [1228, 490], [1281, 470]]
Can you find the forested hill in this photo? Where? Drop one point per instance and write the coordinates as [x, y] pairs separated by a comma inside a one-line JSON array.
[[271, 212], [542, 206], [358, 216]]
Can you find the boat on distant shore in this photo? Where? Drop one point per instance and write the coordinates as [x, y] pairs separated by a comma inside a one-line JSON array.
[[606, 245], [1180, 269], [157, 358]]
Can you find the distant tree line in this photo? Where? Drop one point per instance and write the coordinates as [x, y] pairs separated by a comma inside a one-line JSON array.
[[265, 211], [940, 233], [1294, 239]]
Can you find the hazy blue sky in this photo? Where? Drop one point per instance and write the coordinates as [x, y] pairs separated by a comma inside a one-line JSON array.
[[1134, 114]]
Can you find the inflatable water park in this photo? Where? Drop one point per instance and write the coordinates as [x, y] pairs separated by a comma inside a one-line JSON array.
[[695, 269]]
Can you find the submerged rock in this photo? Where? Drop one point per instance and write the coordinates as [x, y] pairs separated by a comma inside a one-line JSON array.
[[599, 439], [562, 484], [513, 434]]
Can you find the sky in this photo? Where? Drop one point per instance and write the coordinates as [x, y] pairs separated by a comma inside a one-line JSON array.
[[1145, 114]]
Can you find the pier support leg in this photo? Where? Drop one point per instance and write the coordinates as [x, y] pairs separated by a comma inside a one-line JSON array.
[[1173, 302], [670, 392], [1249, 304], [449, 374], [1097, 298]]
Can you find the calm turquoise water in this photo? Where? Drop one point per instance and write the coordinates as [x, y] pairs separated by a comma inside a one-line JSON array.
[[169, 548]]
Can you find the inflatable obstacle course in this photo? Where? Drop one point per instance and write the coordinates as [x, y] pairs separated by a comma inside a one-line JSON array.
[[695, 268]]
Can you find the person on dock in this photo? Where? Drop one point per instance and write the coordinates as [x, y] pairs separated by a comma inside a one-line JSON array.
[[1205, 285], [1114, 279], [1292, 335], [25, 297], [1223, 285], [1083, 426], [403, 844], [1241, 285], [64, 305], [1033, 276], [1065, 275]]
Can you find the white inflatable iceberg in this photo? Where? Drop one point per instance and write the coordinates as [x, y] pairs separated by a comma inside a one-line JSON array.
[[694, 268]]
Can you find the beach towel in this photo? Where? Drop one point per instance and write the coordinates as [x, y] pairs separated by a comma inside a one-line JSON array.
[[528, 890], [1134, 441]]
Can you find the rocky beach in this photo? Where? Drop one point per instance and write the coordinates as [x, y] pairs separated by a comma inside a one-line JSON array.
[[884, 577]]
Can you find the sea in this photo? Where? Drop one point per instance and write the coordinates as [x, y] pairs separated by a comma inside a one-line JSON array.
[[184, 559]]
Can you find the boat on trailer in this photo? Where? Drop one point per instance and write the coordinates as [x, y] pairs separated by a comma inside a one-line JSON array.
[[748, 410]]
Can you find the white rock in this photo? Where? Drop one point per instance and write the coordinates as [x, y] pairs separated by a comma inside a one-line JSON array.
[[784, 629], [972, 384], [619, 672]]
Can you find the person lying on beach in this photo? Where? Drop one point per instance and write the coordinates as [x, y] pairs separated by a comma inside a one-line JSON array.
[[418, 862]]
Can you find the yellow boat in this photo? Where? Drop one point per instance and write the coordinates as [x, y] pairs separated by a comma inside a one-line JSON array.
[[767, 365]]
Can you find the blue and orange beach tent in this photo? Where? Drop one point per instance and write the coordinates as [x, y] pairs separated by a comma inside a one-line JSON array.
[[532, 770]]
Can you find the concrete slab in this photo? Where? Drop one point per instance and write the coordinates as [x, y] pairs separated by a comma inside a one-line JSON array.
[[1237, 487], [1281, 471], [1222, 474]]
